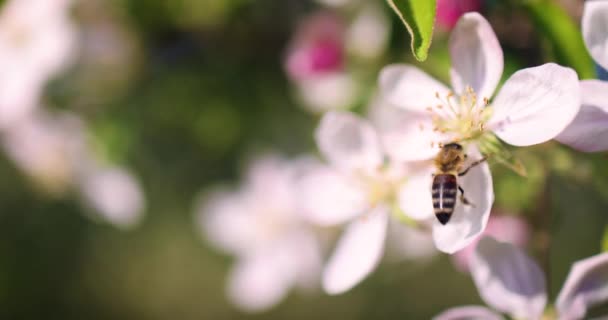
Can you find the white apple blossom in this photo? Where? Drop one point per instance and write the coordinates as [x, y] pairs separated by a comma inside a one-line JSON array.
[[533, 106], [419, 114], [359, 188], [589, 130], [509, 281], [37, 40], [416, 196], [259, 224]]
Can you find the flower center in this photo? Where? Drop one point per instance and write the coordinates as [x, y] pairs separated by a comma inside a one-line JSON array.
[[461, 117], [381, 187]]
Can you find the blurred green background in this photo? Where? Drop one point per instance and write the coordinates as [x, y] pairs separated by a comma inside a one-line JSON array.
[[196, 89]]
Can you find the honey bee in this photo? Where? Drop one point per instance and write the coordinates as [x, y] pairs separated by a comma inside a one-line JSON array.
[[449, 163]]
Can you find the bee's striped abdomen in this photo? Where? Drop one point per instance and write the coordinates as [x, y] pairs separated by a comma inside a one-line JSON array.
[[444, 192]]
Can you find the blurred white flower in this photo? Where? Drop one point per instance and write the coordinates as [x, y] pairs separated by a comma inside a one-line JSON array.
[[589, 130], [368, 34], [37, 39], [114, 193], [357, 188], [47, 147], [259, 224], [52, 149], [511, 282]]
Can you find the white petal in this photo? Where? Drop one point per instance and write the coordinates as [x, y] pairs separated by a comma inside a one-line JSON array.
[[260, 281], [508, 279], [586, 285], [536, 104], [408, 87], [467, 221], [269, 179], [307, 258], [368, 35], [330, 91], [589, 130], [348, 142], [405, 242], [415, 198], [225, 219], [477, 59], [468, 313], [357, 253], [595, 30], [405, 135], [115, 194], [327, 197]]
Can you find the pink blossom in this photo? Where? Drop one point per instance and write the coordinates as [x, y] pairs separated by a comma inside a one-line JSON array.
[[317, 47], [449, 11]]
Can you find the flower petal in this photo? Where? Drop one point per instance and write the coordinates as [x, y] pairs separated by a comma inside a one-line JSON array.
[[415, 198], [409, 243], [468, 313], [348, 142], [536, 104], [260, 281], [327, 197], [306, 258], [405, 135], [410, 88], [589, 130], [505, 228], [467, 221], [358, 252], [116, 194], [595, 30], [226, 221], [586, 285], [477, 58], [328, 91], [508, 279]]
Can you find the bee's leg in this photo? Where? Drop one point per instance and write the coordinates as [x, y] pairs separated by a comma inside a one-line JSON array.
[[472, 165], [463, 199]]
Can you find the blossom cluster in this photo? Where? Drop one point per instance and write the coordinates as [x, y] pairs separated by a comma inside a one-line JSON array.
[[38, 41], [375, 173]]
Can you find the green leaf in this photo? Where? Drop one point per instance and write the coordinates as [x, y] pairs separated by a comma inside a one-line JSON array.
[[418, 16], [605, 240], [563, 34]]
